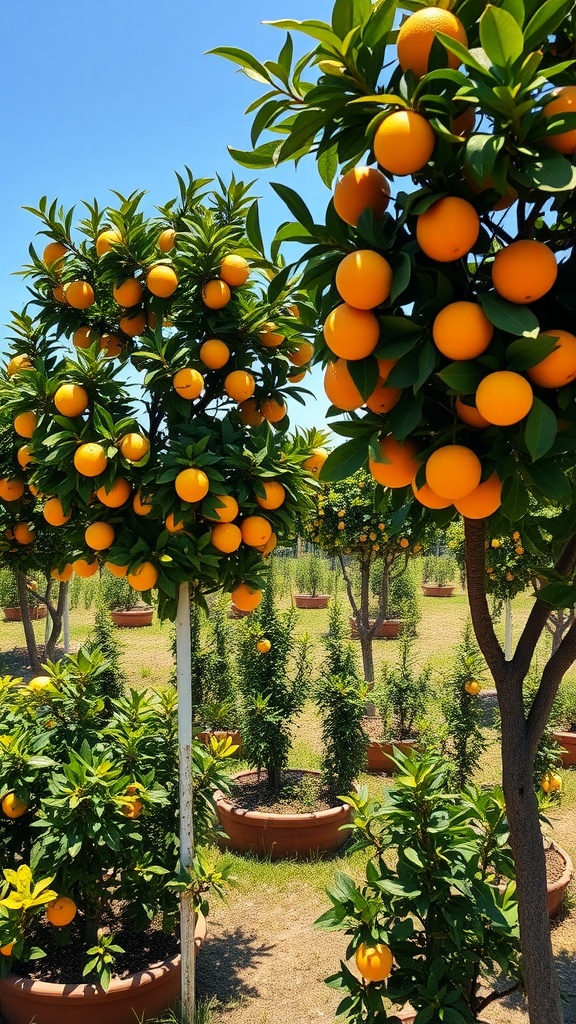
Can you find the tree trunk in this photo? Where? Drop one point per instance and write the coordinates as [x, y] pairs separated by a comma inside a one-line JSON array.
[[364, 632], [27, 622], [56, 614]]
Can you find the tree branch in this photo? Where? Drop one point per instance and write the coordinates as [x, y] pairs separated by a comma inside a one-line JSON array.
[[483, 1003], [349, 589], [536, 621], [474, 533], [556, 667]]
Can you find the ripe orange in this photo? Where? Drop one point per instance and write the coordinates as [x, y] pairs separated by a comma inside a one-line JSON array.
[[462, 330], [563, 102], [192, 485], [382, 398], [315, 462], [216, 294], [239, 385], [340, 388], [71, 400], [25, 423], [133, 325], [85, 337], [188, 383], [270, 545], [23, 534], [504, 397], [363, 279], [275, 495], [99, 536], [294, 377], [133, 809], [79, 294], [166, 239], [90, 459], [54, 253], [263, 646], [361, 189], [273, 410], [453, 471], [13, 806], [469, 414], [7, 949], [214, 354], [448, 229], [162, 281], [116, 494], [54, 513], [374, 962], [117, 570], [404, 142], [255, 531], [558, 368], [226, 511], [351, 333], [425, 495], [269, 337], [472, 687], [85, 569], [144, 577], [24, 456], [302, 354], [17, 364], [134, 447], [226, 537], [59, 294], [141, 506], [552, 782], [11, 490], [111, 345], [250, 414], [64, 575], [106, 240], [385, 366], [61, 911], [128, 293], [246, 597], [401, 465], [172, 524], [524, 271], [482, 501], [234, 270], [418, 33]]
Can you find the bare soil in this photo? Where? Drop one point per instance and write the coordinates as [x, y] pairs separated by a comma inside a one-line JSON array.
[[301, 793]]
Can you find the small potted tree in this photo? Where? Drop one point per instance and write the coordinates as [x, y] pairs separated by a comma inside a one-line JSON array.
[[312, 582], [10, 599], [439, 574], [215, 675], [563, 720], [126, 607]]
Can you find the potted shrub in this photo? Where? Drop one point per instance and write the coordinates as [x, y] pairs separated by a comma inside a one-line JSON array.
[[215, 675], [439, 573], [401, 700], [563, 721], [312, 582], [463, 740], [126, 607], [9, 597]]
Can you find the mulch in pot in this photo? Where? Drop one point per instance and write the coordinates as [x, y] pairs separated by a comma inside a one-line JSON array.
[[301, 793]]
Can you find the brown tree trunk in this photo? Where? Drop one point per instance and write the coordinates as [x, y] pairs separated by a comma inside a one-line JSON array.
[[364, 632], [56, 613], [27, 622]]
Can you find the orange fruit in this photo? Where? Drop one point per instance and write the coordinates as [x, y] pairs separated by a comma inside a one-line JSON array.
[[13, 806], [128, 293], [85, 569], [172, 524], [71, 400], [226, 537], [316, 460], [472, 687], [401, 465], [61, 911], [469, 414], [363, 279], [192, 485], [166, 239], [144, 577], [482, 501], [275, 494], [23, 534], [425, 495], [462, 330], [54, 253], [79, 294], [563, 102], [340, 388], [59, 294], [374, 962], [453, 471], [404, 142], [418, 33], [273, 410], [255, 531], [269, 337], [85, 337], [54, 513], [552, 782], [188, 383], [117, 570], [106, 240], [269, 546], [7, 949], [524, 271], [361, 189], [162, 281], [302, 354], [133, 325], [133, 809], [24, 456], [263, 646], [250, 414], [11, 490], [141, 506], [111, 346], [351, 333], [90, 459], [558, 368], [116, 494], [216, 294], [25, 423], [34, 490], [234, 270], [134, 447], [239, 385], [294, 377], [504, 397], [464, 123], [385, 366], [64, 575], [99, 536], [226, 509], [246, 597], [382, 398], [448, 229], [214, 354], [17, 364]]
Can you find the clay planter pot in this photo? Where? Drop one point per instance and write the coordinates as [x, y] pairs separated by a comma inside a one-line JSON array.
[[281, 835], [137, 997], [380, 754], [555, 890], [429, 591], [567, 741], [310, 601], [221, 734], [132, 617], [37, 611], [387, 630], [236, 613], [408, 1016]]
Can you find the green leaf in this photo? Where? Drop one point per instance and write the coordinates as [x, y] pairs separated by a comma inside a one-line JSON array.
[[540, 430], [328, 165], [551, 480], [516, 9], [515, 499], [508, 316], [295, 204], [364, 373], [481, 154], [462, 377], [345, 460], [501, 36], [242, 58], [544, 22], [526, 352], [466, 56], [253, 227], [259, 158], [317, 29], [550, 172], [402, 272]]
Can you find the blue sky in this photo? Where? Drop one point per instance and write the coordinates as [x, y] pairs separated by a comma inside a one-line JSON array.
[[102, 94]]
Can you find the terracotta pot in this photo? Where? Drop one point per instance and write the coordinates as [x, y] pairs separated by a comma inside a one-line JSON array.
[[236, 613], [567, 741], [408, 1016], [137, 997], [311, 601], [380, 754], [37, 611], [387, 630], [555, 890], [221, 734], [429, 591], [281, 835], [132, 617]]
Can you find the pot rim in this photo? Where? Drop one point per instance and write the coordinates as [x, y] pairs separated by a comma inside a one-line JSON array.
[[274, 816], [568, 870]]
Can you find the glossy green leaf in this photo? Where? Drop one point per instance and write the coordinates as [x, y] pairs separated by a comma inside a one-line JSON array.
[[526, 352], [540, 430], [364, 373], [508, 316], [345, 460], [462, 377], [501, 36]]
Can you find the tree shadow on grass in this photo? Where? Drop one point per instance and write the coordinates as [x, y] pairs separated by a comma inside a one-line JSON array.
[[228, 961], [566, 968]]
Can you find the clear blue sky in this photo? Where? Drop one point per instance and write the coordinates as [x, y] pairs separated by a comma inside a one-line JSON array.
[[101, 94]]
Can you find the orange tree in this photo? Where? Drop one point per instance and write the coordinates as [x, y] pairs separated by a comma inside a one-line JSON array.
[[443, 280]]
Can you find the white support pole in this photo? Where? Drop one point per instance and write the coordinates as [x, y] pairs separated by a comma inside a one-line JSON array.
[[66, 620], [184, 678], [508, 629]]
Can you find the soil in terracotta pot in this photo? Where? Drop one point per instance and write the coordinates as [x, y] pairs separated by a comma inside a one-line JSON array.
[[555, 865], [374, 729], [301, 793]]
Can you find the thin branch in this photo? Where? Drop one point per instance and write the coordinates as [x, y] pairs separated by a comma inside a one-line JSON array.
[[475, 533], [483, 1003], [556, 667], [536, 621], [348, 583]]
